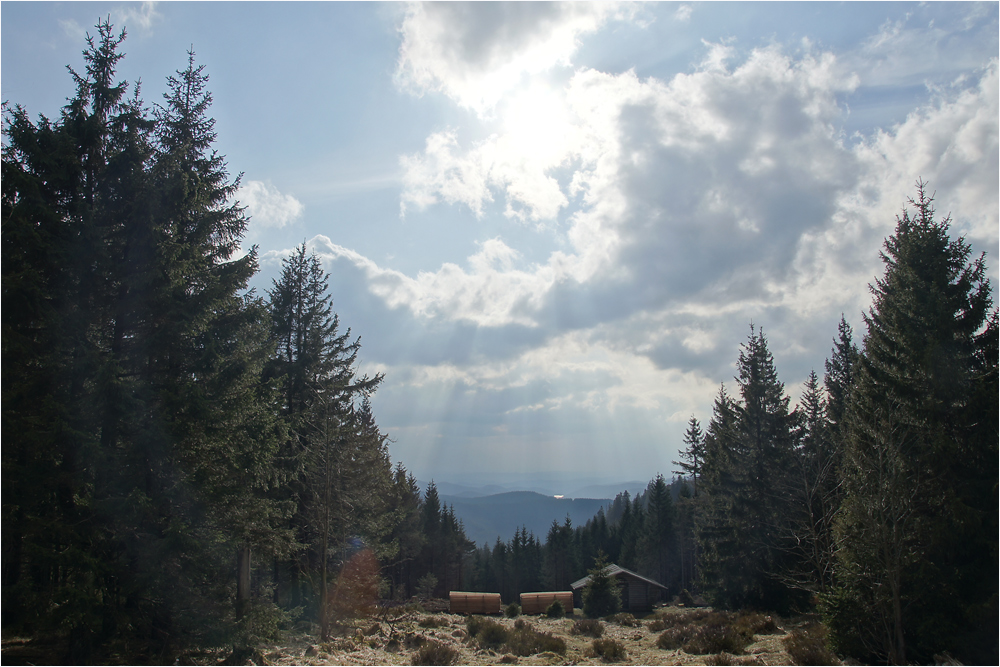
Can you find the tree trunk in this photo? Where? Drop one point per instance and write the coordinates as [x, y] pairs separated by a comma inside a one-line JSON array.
[[242, 579]]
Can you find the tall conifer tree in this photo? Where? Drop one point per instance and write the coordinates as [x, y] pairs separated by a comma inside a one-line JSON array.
[[919, 523]]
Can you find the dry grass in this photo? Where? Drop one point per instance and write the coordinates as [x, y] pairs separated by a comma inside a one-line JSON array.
[[401, 639]]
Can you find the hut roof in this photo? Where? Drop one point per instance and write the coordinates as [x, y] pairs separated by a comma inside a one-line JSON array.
[[613, 571]]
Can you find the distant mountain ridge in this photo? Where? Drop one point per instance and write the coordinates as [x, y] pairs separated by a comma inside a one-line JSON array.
[[500, 515]]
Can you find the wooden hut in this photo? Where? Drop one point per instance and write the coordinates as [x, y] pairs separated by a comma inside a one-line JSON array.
[[474, 603], [638, 593], [537, 603]]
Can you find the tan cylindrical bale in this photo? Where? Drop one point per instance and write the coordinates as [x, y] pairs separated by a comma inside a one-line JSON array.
[[537, 603], [474, 603]]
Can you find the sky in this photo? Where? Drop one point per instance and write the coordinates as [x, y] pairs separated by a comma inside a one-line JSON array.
[[552, 225]]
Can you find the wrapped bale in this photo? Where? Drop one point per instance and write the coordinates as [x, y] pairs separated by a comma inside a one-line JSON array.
[[474, 603], [537, 603]]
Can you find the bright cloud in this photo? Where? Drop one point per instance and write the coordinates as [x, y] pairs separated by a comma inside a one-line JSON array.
[[267, 207], [476, 52]]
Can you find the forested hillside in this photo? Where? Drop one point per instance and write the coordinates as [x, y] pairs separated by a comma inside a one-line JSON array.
[[188, 463], [487, 517]]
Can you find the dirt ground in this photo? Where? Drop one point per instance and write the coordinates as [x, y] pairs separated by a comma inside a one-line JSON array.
[[370, 645]]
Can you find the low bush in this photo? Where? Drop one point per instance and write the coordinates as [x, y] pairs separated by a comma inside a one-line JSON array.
[[625, 619], [433, 622], [491, 634], [810, 646], [752, 623], [676, 637], [473, 624], [525, 640], [513, 610], [671, 618], [610, 650], [730, 659], [587, 626], [656, 625], [435, 653], [716, 638], [556, 610]]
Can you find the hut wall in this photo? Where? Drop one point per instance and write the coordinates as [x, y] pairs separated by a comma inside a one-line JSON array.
[[474, 603], [638, 596], [537, 603]]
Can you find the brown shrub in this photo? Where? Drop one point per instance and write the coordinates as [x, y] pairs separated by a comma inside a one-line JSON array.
[[435, 653], [656, 625], [609, 650], [587, 626], [491, 634], [433, 622], [357, 587], [625, 619], [676, 637], [730, 659], [752, 623], [525, 640], [716, 638], [810, 646]]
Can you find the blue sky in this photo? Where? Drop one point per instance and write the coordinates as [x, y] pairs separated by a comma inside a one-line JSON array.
[[553, 224]]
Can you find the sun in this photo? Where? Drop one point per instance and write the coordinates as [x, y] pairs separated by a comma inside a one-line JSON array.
[[537, 124]]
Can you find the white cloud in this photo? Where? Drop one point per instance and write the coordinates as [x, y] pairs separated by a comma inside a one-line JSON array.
[[683, 13], [953, 144], [142, 16], [267, 207], [685, 208], [715, 157], [124, 15], [476, 52]]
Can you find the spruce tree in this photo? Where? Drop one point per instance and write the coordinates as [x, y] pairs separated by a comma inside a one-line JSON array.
[[919, 524], [657, 545], [601, 596], [151, 423], [839, 379], [335, 457], [814, 496], [693, 455], [749, 451]]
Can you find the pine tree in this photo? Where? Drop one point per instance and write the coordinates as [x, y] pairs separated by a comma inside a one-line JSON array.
[[918, 526]]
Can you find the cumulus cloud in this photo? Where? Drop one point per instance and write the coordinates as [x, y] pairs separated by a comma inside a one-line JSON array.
[[267, 207], [476, 52], [684, 209], [952, 143], [721, 168]]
